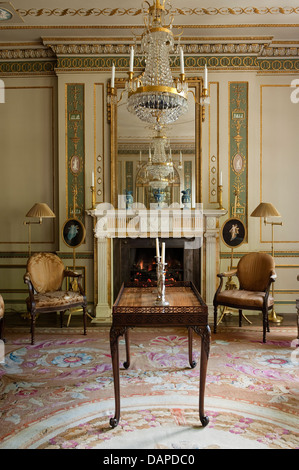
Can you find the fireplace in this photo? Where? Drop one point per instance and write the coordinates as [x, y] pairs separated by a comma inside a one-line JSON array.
[[114, 254], [134, 261], [143, 268]]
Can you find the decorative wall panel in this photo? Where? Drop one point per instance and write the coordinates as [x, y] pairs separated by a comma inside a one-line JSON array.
[[75, 151], [238, 150]]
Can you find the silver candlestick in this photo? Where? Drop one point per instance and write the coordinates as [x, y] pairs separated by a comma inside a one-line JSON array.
[[160, 300]]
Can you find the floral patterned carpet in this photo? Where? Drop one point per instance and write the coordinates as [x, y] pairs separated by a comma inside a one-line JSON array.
[[59, 393]]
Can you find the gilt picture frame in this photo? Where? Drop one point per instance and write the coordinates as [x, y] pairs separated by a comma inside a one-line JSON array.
[[233, 232], [73, 233]]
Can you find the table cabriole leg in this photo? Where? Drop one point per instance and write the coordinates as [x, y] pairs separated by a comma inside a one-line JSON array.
[[205, 334], [127, 339], [190, 348], [115, 333]]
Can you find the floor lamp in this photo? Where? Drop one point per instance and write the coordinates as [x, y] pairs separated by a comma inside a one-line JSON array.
[[266, 209], [40, 210]]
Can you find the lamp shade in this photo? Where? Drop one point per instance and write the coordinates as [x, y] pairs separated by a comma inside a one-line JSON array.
[[265, 209], [41, 210]]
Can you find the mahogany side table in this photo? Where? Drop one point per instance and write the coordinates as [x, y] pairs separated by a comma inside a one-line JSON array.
[[134, 307]]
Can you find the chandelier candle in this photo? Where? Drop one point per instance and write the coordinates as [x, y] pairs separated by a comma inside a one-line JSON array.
[[113, 76], [131, 59], [182, 61], [205, 83]]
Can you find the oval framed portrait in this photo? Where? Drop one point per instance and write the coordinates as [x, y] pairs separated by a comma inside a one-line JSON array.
[[73, 233], [233, 232]]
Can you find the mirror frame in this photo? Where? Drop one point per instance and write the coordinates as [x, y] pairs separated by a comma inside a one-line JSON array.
[[194, 84]]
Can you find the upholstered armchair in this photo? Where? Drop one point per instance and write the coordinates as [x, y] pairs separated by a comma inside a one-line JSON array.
[[44, 276], [1, 316], [255, 272]]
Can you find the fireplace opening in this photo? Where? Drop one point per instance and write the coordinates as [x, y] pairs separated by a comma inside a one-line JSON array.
[[143, 268], [134, 261]]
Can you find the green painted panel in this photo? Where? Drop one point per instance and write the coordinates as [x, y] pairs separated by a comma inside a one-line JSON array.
[[75, 150], [238, 123]]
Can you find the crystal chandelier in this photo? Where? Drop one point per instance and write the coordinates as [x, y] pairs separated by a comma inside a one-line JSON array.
[[155, 97], [159, 167]]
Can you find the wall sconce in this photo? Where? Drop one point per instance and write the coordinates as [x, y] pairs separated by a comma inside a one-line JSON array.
[[39, 210]]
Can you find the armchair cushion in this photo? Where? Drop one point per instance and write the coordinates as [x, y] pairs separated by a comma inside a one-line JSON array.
[[57, 299], [46, 271], [254, 299]]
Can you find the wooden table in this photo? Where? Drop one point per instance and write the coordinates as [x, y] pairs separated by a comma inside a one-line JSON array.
[[134, 307]]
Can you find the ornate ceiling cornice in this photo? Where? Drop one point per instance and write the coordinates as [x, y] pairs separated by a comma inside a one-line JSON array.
[[92, 54]]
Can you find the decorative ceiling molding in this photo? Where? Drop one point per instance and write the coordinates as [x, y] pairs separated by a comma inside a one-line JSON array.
[[91, 47], [256, 47], [211, 11], [28, 53], [83, 48]]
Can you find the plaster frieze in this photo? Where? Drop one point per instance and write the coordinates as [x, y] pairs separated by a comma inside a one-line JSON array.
[[179, 11]]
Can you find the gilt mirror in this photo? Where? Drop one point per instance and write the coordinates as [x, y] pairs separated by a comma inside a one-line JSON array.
[[130, 144]]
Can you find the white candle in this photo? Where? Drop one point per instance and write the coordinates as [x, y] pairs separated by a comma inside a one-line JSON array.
[[182, 60], [163, 253], [113, 76], [157, 247], [220, 180], [131, 59], [205, 83], [140, 156], [92, 178]]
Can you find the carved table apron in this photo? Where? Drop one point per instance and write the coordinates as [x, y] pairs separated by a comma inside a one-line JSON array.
[[134, 307]]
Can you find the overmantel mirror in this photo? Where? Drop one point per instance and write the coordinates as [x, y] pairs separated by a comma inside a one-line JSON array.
[[131, 141]]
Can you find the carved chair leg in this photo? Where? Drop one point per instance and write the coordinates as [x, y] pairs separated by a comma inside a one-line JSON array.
[[61, 318], [240, 317], [265, 324], [33, 318], [84, 320], [215, 318], [267, 319]]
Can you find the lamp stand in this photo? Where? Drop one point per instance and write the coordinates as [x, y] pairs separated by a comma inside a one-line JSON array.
[[272, 316], [29, 233]]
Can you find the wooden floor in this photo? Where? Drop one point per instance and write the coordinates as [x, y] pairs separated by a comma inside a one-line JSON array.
[[13, 319]]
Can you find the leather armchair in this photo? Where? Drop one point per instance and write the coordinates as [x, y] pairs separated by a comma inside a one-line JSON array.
[[255, 272], [44, 276]]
